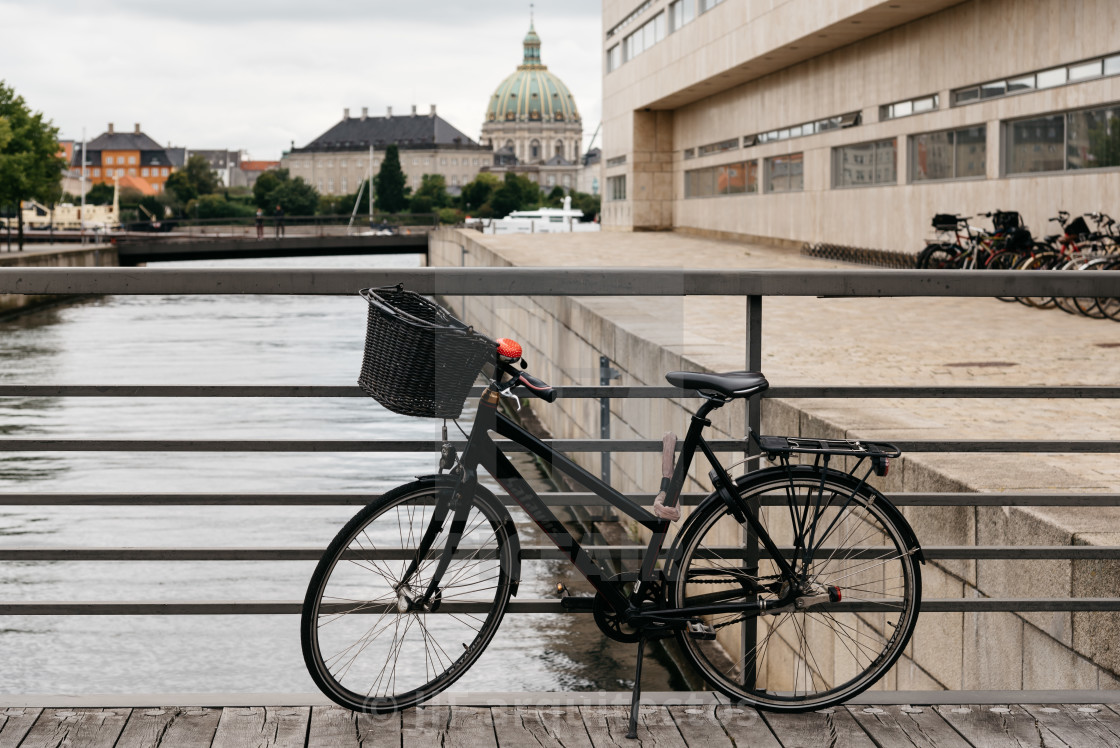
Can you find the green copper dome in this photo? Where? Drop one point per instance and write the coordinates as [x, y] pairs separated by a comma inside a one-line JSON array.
[[532, 94]]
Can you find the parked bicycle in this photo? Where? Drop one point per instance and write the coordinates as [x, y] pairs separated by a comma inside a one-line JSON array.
[[790, 588]]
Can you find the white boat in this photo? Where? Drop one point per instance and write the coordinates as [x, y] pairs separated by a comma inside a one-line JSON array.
[[541, 221]]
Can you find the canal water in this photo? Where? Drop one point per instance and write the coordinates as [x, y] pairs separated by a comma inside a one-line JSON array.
[[219, 340]]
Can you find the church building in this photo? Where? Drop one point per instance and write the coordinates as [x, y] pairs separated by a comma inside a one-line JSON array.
[[533, 125]]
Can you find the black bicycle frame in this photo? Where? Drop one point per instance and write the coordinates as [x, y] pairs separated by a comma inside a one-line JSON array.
[[482, 450]]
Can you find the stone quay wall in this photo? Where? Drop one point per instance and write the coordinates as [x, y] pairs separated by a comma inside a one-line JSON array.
[[102, 255], [564, 337]]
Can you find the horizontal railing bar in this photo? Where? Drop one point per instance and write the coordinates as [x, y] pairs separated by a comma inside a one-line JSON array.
[[551, 499], [568, 392], [290, 607], [532, 553], [562, 281], [560, 445]]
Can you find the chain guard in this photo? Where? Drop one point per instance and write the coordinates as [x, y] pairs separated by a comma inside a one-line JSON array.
[[649, 595]]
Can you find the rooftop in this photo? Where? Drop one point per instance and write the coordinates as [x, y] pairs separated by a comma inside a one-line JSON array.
[[400, 130]]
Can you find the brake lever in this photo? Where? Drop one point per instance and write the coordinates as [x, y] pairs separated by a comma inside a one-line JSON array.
[[508, 392]]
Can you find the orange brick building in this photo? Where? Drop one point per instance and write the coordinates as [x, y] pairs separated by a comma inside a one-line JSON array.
[[136, 159]]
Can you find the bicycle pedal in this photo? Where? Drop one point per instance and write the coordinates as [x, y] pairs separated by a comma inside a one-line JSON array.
[[700, 630]]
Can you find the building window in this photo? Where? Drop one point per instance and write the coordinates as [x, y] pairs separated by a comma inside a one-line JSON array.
[[730, 179], [614, 58], [689, 153], [535, 149], [131, 160], [97, 172], [616, 188], [342, 163], [474, 162], [415, 162], [109, 160], [908, 107], [132, 172], [551, 180], [454, 181], [163, 172], [651, 32], [723, 145], [345, 185], [616, 161], [1059, 76], [949, 154], [144, 172], [443, 162], [851, 119], [454, 162], [785, 173], [427, 162], [567, 180], [865, 164], [680, 13], [1083, 139], [559, 149]]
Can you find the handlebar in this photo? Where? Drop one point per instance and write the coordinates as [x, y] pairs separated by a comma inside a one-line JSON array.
[[536, 387]]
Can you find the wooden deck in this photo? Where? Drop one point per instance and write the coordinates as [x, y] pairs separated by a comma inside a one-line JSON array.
[[577, 726]]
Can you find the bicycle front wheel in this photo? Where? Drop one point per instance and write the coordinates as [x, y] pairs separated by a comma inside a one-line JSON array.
[[837, 535], [367, 644]]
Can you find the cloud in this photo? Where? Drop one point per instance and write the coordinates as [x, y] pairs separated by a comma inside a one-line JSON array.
[[259, 75]]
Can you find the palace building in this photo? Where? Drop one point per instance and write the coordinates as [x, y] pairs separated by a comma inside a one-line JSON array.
[[132, 158], [532, 123], [853, 123], [339, 160]]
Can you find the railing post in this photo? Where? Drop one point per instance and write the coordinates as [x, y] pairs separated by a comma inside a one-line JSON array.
[[606, 374], [754, 424]]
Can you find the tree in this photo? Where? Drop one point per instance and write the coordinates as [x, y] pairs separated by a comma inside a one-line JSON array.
[[266, 183], [555, 197], [477, 192], [295, 196], [30, 164], [431, 195], [391, 196], [193, 180], [516, 193], [589, 204], [100, 194]]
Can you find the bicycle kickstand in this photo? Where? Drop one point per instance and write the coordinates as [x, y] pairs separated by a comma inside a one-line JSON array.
[[636, 694]]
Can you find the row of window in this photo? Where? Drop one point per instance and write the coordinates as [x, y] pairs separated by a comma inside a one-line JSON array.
[[850, 119], [654, 30], [1059, 76], [110, 160], [1064, 141], [359, 164], [908, 107], [616, 188], [145, 172]]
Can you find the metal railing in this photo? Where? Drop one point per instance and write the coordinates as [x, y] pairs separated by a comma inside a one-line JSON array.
[[752, 285]]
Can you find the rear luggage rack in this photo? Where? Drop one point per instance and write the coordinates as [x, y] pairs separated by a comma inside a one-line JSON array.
[[779, 449]]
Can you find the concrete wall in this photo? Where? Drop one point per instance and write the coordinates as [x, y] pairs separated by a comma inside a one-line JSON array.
[[563, 339], [77, 257], [693, 77]]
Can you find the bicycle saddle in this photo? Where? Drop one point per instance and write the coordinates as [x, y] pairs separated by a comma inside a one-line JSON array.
[[728, 384]]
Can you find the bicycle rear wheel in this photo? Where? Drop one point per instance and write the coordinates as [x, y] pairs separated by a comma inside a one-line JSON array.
[[795, 659], [365, 645]]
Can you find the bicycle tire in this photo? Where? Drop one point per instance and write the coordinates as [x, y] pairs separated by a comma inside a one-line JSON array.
[[1006, 259], [860, 647], [351, 663], [1090, 305], [1110, 305], [937, 257]]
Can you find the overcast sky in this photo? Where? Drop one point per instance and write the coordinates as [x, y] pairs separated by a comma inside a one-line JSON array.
[[255, 75]]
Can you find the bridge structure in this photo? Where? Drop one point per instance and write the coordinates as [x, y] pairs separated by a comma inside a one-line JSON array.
[[956, 719], [147, 250]]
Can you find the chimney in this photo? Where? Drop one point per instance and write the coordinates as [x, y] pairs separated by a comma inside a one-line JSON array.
[[365, 113], [111, 128], [137, 130], [433, 110], [413, 110], [346, 114], [388, 111]]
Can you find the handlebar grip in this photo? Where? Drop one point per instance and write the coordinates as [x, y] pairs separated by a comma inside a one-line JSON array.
[[537, 387]]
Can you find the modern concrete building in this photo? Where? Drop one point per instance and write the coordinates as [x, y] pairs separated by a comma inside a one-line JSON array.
[[337, 161], [533, 124], [854, 121]]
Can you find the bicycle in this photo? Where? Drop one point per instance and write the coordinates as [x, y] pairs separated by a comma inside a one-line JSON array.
[[790, 588]]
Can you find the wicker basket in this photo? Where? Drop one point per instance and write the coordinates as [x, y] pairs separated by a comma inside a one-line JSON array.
[[419, 360]]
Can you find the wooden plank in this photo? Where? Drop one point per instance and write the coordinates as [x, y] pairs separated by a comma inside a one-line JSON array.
[[607, 725], [14, 724], [827, 728], [170, 726], [448, 727], [83, 728], [262, 727], [1003, 726], [699, 726], [333, 726], [904, 726], [745, 726], [1078, 725], [540, 727]]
